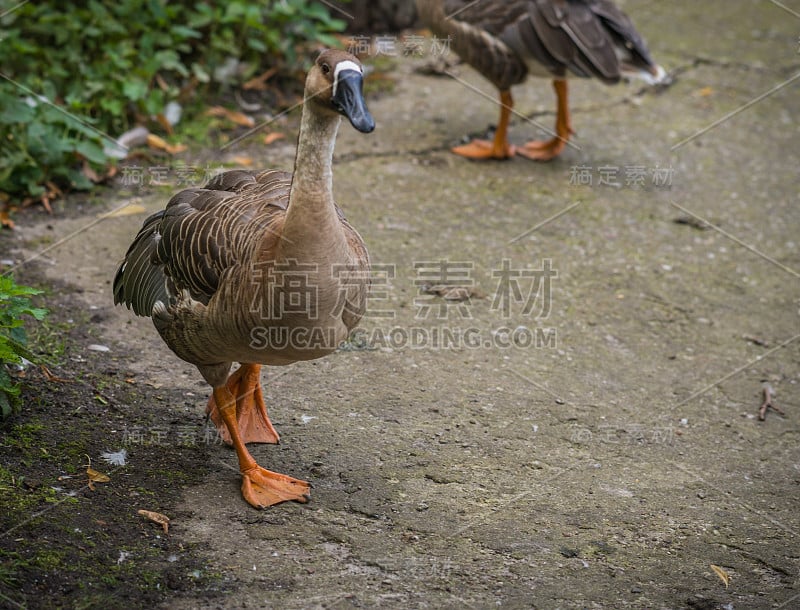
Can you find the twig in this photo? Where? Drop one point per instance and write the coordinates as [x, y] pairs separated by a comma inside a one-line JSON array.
[[768, 393], [756, 340], [50, 377]]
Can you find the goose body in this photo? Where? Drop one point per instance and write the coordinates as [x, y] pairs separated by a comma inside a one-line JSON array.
[[508, 40], [258, 268]]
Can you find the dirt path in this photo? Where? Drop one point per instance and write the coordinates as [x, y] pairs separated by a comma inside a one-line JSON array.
[[590, 445]]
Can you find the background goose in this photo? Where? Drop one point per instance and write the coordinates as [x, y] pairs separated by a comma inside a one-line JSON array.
[[258, 268], [505, 40]]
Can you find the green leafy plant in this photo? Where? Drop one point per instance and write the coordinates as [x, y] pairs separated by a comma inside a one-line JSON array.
[[43, 145], [75, 70], [15, 302]]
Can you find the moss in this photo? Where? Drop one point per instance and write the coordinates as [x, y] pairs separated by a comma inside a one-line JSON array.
[[108, 579], [9, 570], [48, 559], [50, 339], [174, 476], [73, 453], [18, 498], [23, 436]]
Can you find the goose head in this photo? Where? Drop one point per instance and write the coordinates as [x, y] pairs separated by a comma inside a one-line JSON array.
[[335, 85]]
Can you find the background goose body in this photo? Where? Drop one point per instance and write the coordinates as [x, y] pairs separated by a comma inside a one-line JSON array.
[[258, 268], [506, 40]]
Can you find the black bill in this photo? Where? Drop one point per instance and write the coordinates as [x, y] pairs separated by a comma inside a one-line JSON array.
[[349, 100]]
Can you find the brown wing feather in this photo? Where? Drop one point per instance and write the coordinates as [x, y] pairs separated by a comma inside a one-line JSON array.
[[201, 234], [492, 17], [139, 283], [357, 280], [621, 29]]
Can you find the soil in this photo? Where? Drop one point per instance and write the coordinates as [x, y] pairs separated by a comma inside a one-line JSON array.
[[593, 444], [68, 543]]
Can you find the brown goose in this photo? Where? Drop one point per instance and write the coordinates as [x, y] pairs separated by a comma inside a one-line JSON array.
[[258, 268], [505, 40]]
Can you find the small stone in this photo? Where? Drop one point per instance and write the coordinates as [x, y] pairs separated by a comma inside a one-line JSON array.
[[96, 347]]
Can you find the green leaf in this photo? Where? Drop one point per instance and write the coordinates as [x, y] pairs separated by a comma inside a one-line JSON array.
[[134, 89], [15, 110], [118, 49], [91, 151], [257, 45], [7, 353], [39, 313], [200, 73], [185, 32]]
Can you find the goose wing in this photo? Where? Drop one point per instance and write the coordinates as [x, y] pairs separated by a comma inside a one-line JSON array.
[[202, 233], [584, 37]]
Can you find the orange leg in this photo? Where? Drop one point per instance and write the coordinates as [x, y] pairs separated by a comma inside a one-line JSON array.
[[251, 412], [499, 148], [549, 149], [260, 487]]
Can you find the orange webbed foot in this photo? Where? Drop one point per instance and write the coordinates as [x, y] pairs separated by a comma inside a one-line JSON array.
[[263, 488], [484, 149], [542, 150]]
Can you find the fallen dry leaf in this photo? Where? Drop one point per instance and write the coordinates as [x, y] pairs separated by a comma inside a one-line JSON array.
[[96, 476], [164, 122], [162, 520], [92, 175], [162, 83], [153, 141], [52, 192], [272, 137], [87, 171], [706, 91], [260, 82], [45, 201], [723, 575], [50, 377], [232, 115], [5, 220], [242, 160]]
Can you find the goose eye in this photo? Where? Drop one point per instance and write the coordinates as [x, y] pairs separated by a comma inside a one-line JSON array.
[[326, 68]]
